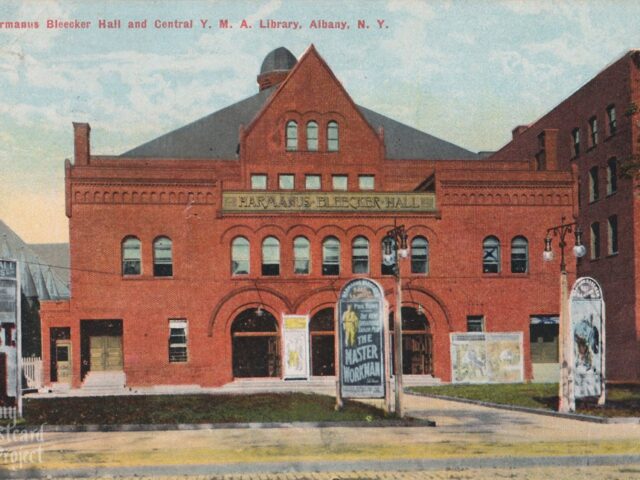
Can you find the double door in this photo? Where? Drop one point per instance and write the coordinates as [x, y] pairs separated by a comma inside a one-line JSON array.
[[105, 353]]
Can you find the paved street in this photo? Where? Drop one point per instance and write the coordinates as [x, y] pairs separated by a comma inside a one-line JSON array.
[[469, 442]]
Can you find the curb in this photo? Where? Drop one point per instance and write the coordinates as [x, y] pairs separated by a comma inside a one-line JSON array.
[[134, 427], [536, 411]]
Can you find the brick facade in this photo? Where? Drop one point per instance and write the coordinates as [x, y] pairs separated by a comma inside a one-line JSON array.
[[112, 198]]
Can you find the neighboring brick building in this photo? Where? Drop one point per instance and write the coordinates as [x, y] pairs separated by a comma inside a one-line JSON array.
[[187, 250], [596, 132]]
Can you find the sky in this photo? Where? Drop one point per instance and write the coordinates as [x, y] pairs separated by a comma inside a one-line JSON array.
[[467, 71]]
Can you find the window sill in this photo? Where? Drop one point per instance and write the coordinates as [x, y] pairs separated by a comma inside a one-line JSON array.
[[610, 136], [611, 194], [613, 255], [593, 147], [592, 260], [129, 278]]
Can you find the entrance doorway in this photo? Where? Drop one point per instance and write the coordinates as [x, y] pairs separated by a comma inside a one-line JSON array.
[[63, 363], [322, 332], [105, 353], [255, 344], [417, 342], [101, 346]]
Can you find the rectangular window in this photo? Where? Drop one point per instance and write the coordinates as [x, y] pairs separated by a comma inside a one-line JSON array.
[[177, 341], [258, 182], [475, 323], [543, 338], [594, 192], [612, 175], [366, 182], [339, 182], [595, 240], [612, 234], [286, 182], [593, 131], [575, 136], [611, 117], [312, 182]]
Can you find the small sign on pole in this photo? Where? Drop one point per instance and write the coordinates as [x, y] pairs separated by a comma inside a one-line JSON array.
[[587, 315], [361, 366], [10, 341]]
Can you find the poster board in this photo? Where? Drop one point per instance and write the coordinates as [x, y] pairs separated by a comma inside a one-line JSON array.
[[295, 347], [486, 357]]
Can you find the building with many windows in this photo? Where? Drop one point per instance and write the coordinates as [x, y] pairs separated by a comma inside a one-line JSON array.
[[187, 251], [596, 133]]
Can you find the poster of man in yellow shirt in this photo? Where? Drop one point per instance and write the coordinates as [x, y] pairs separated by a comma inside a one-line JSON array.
[[350, 322]]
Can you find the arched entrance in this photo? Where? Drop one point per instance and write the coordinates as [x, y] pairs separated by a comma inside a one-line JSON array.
[[322, 333], [417, 342], [255, 344]]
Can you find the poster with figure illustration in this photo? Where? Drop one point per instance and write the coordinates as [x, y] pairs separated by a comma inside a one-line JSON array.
[[587, 337], [361, 341], [486, 357], [295, 341]]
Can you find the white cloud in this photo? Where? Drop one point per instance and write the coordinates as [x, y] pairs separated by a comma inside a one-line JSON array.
[[264, 11]]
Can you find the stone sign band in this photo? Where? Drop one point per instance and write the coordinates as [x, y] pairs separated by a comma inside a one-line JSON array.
[[235, 202]]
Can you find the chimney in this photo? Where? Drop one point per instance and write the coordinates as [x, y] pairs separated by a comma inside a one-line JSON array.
[[518, 130], [81, 134], [551, 148]]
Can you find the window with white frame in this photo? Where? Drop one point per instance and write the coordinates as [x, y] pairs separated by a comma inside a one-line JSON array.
[[301, 262], [258, 181], [286, 181], [612, 175], [162, 257], [177, 341], [360, 255], [331, 256], [491, 255], [612, 120], [593, 131], [612, 235], [366, 182], [419, 255], [475, 323], [575, 137], [340, 182], [519, 255], [292, 135], [312, 136], [332, 136], [131, 256], [271, 256], [240, 256], [312, 182]]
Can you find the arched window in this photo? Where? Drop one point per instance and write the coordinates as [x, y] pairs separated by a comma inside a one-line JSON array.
[[301, 255], [332, 136], [271, 256], [360, 255], [519, 255], [491, 255], [419, 255], [240, 256], [292, 135], [131, 256], [162, 257], [312, 136], [331, 256]]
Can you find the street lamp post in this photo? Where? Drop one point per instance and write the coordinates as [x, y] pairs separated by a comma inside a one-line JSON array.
[[395, 247], [566, 396]]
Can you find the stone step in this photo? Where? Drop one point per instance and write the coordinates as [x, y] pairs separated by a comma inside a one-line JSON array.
[[111, 379]]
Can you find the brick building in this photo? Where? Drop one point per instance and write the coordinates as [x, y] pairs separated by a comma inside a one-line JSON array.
[[186, 251], [596, 132]]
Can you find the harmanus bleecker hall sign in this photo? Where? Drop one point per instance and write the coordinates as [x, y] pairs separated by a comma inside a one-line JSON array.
[[236, 202]]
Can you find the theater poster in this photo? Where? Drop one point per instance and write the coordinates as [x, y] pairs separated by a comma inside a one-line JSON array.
[[361, 340], [587, 313], [295, 345], [10, 383]]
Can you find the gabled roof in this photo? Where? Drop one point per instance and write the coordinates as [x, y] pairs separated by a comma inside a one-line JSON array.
[[37, 276], [56, 255], [216, 136]]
